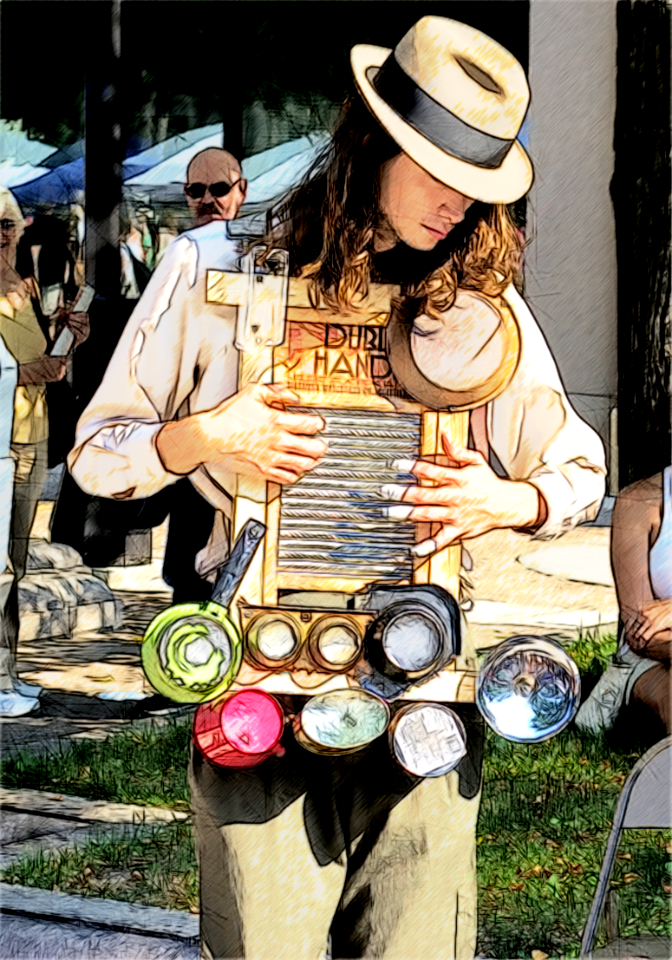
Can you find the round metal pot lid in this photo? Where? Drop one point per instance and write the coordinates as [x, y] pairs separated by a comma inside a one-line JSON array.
[[460, 362]]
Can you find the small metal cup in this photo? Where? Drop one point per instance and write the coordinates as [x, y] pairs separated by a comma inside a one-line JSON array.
[[427, 739], [192, 652]]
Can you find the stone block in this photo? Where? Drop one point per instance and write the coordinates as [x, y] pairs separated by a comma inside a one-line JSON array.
[[88, 617], [44, 555]]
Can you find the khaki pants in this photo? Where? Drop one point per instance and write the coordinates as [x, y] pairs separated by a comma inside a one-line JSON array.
[[407, 890], [30, 460]]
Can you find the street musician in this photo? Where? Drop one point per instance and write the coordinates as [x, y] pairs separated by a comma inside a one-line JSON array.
[[413, 192]]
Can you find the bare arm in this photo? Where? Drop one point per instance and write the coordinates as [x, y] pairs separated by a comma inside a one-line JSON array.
[[635, 525]]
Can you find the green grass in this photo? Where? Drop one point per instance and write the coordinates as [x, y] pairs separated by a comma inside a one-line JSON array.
[[543, 826], [144, 764], [544, 821], [545, 817], [155, 866]]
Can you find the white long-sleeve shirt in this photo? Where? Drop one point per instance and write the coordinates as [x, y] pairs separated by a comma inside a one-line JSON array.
[[177, 356]]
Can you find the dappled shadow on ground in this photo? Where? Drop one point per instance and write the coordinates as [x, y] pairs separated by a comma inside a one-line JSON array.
[[93, 683], [96, 663], [74, 716]]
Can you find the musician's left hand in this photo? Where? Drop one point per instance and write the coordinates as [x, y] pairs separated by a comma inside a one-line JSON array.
[[467, 499]]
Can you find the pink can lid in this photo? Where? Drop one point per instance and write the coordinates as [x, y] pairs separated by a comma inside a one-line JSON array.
[[252, 721]]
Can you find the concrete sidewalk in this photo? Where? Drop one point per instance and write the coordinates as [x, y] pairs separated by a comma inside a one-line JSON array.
[[526, 586], [39, 925]]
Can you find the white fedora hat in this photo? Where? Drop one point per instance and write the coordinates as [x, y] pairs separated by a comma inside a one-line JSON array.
[[454, 100]]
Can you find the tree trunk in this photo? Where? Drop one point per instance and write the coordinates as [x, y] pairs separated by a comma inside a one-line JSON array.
[[640, 192], [104, 146]]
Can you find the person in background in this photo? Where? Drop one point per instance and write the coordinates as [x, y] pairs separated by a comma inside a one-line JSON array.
[[44, 254], [638, 678], [215, 192], [135, 271], [149, 233], [215, 189], [26, 341], [167, 231], [77, 226]]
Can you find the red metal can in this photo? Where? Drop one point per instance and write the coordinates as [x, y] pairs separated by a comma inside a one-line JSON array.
[[241, 729]]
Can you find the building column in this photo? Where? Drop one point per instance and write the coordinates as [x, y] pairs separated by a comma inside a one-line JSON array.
[[570, 275]]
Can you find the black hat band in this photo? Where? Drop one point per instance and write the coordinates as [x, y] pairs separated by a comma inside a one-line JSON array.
[[436, 123]]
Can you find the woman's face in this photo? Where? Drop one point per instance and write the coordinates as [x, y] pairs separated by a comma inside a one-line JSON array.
[[417, 209]]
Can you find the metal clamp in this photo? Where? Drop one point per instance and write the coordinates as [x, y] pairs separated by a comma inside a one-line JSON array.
[[261, 321]]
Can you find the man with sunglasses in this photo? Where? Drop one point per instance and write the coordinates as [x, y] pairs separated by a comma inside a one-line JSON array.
[[215, 188], [214, 193]]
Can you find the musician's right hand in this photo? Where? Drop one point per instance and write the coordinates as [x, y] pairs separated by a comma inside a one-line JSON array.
[[251, 433]]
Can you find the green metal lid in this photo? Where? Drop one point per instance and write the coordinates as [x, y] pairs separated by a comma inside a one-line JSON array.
[[192, 652]]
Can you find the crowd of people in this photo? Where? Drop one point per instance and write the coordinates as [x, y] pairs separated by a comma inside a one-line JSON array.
[[38, 288], [165, 429]]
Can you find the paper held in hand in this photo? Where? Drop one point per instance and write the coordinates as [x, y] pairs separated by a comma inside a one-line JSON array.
[[66, 338]]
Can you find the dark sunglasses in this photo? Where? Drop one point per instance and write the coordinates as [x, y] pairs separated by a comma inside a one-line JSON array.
[[196, 191], [7, 225]]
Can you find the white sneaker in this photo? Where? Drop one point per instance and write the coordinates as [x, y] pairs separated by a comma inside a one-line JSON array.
[[32, 690], [12, 704], [598, 713]]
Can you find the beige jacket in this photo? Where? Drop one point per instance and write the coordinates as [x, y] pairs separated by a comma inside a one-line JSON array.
[[177, 356]]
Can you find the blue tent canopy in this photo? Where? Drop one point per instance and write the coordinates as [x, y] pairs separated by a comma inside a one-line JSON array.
[[62, 184], [73, 151], [161, 169], [56, 187]]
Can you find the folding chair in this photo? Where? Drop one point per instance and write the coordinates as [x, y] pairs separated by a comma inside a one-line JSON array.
[[645, 804]]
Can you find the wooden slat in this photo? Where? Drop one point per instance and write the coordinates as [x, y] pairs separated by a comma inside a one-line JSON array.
[[229, 288], [309, 315], [450, 686], [320, 581], [441, 568], [270, 591]]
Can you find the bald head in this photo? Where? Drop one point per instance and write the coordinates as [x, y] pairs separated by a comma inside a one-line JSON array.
[[209, 167], [213, 165]]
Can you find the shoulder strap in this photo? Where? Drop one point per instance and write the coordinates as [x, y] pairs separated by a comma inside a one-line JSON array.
[[478, 421]]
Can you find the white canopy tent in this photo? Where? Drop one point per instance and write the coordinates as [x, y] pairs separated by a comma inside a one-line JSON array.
[[136, 166], [18, 149], [172, 171], [278, 173], [11, 174]]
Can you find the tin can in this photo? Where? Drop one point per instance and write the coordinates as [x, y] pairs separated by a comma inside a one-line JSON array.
[[241, 729], [427, 739], [414, 636], [192, 652], [335, 643], [342, 721], [273, 641]]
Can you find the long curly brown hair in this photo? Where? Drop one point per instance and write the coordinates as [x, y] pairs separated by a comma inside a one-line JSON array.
[[328, 224]]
